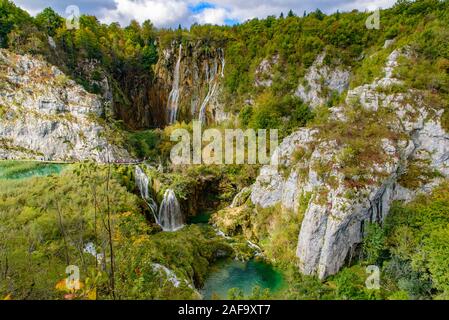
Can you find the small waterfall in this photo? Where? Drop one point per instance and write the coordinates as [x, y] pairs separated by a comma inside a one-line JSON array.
[[173, 98], [170, 216], [142, 182], [241, 197]]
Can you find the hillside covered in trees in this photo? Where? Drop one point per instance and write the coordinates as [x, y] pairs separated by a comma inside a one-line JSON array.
[[363, 115]]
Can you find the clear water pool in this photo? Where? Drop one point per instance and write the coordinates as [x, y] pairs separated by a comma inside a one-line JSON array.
[[228, 274]]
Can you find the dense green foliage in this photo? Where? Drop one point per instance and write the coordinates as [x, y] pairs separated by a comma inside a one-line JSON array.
[[126, 55], [411, 251], [46, 223], [417, 237]]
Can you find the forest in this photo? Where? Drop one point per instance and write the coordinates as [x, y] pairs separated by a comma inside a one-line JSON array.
[[49, 212]]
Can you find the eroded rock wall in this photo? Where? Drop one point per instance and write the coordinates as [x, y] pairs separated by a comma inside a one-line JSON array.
[[349, 188], [47, 116]]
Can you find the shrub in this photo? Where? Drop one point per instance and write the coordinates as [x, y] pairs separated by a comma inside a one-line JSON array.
[[374, 243]]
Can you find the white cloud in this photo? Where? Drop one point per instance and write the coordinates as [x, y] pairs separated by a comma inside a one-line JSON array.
[[248, 9], [211, 16], [160, 12], [170, 13]]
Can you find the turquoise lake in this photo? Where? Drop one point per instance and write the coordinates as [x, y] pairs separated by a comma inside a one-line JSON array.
[[228, 274]]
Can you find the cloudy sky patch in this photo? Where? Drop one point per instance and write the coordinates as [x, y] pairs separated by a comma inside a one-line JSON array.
[[171, 13]]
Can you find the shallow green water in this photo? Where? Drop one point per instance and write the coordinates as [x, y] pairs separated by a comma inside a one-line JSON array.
[[228, 274], [200, 218], [15, 170]]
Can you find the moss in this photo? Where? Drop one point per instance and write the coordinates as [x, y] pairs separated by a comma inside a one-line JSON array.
[[417, 174], [3, 111], [61, 80], [234, 221], [371, 68], [303, 203], [298, 154], [280, 240], [321, 196], [445, 120], [322, 168]]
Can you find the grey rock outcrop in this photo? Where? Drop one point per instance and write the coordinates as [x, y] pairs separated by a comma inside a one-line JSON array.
[[47, 116], [314, 166], [264, 72], [321, 81]]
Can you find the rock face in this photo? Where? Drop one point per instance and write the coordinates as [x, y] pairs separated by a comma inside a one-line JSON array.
[[47, 116], [321, 81], [347, 188], [264, 74], [271, 187], [200, 78]]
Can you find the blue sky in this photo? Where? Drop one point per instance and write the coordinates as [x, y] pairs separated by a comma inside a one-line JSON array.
[[170, 13]]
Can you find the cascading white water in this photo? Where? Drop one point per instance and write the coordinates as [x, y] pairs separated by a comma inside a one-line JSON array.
[[170, 216], [223, 63], [212, 89], [211, 76], [173, 98], [142, 182]]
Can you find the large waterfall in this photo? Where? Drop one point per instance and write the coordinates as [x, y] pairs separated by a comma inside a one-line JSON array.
[[173, 98], [142, 182], [170, 216], [212, 89], [212, 78], [223, 63]]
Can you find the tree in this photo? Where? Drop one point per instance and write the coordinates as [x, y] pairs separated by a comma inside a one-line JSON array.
[[148, 32], [149, 55], [133, 32], [374, 243], [49, 20], [87, 42], [10, 17]]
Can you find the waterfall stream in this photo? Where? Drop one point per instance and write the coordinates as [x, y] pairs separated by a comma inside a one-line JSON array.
[[170, 216], [142, 182], [173, 98], [212, 79], [212, 89], [223, 62]]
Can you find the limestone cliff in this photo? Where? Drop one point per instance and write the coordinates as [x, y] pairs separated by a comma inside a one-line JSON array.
[[353, 165], [47, 116], [322, 81]]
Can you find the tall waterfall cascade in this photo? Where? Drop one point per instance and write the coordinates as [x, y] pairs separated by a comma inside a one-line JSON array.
[[170, 216], [142, 182], [173, 98], [223, 62], [212, 76]]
